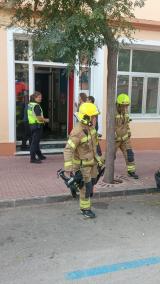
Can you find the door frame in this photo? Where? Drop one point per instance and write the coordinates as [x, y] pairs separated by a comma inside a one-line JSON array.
[[70, 88], [73, 90]]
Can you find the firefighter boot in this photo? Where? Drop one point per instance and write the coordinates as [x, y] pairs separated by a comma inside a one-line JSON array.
[[88, 213], [133, 174]]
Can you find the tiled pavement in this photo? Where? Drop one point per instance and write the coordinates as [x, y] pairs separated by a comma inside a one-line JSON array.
[[21, 180]]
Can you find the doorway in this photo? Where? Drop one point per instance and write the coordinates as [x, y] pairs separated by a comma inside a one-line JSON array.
[[53, 84]]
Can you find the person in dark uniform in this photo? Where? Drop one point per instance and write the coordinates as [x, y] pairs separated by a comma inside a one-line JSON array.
[[36, 121]]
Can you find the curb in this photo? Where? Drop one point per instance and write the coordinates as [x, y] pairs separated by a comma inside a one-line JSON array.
[[13, 203]]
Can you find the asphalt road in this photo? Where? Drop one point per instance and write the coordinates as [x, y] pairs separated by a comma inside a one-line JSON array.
[[49, 244]]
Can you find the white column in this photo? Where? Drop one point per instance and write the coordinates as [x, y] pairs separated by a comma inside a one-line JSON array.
[[31, 70], [76, 89], [76, 83], [97, 83], [11, 87]]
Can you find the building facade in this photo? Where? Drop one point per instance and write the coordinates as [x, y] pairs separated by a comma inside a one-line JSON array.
[[138, 74]]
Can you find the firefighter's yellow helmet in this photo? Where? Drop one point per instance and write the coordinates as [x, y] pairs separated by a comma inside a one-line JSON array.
[[86, 111], [123, 99]]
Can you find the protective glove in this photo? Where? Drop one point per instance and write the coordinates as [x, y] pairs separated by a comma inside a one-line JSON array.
[[100, 161], [129, 134]]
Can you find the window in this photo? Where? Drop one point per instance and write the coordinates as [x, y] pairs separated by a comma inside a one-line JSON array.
[[21, 73], [146, 61], [21, 83], [22, 96], [139, 76], [152, 95], [124, 60], [84, 80], [21, 50], [47, 55], [122, 84], [137, 95]]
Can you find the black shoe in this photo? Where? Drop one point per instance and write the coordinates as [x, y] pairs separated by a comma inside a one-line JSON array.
[[133, 174], [88, 213], [157, 178], [25, 148], [42, 157], [35, 161]]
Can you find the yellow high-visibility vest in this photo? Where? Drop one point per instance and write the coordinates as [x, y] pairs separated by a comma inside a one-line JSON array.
[[32, 118]]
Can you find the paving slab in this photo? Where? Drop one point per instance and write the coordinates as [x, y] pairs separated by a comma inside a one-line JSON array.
[[23, 183]]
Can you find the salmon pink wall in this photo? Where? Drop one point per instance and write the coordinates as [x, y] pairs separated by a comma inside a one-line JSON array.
[[3, 87], [150, 11]]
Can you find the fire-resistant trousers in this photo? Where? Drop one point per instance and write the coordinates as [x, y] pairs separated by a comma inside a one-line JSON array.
[[126, 148], [86, 192]]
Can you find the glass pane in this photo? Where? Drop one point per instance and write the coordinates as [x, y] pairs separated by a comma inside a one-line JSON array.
[[22, 97], [124, 60], [21, 50], [84, 78], [47, 55], [137, 95], [53, 84], [152, 93], [122, 84], [146, 61]]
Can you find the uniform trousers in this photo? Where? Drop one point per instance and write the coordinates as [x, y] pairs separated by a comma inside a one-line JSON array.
[[36, 134], [26, 134]]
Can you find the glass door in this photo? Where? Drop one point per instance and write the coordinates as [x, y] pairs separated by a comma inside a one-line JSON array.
[[53, 84]]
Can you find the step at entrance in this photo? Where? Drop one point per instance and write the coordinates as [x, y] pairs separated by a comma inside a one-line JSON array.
[[47, 147]]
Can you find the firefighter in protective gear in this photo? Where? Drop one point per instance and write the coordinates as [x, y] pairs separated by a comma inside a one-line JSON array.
[[80, 153], [123, 133]]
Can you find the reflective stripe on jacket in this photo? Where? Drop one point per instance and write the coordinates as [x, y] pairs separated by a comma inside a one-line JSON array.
[[80, 149], [122, 130]]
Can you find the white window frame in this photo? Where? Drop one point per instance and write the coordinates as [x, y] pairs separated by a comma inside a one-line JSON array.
[[148, 47]]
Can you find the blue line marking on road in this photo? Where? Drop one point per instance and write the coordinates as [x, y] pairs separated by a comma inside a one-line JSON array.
[[79, 274]]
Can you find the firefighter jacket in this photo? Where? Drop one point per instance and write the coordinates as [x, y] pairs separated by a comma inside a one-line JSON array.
[[122, 129], [81, 146]]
